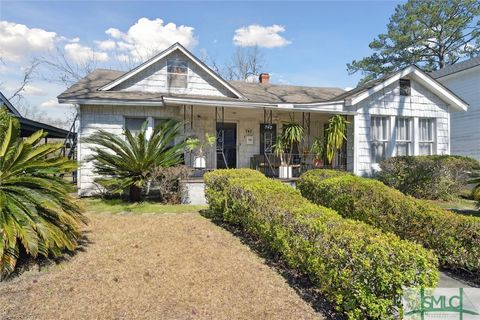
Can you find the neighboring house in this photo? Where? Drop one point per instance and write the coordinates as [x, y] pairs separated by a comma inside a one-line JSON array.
[[28, 126], [407, 112], [463, 78]]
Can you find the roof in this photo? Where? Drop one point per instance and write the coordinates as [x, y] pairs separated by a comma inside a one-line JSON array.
[[28, 126], [364, 87], [9, 106], [457, 67], [274, 93], [88, 88]]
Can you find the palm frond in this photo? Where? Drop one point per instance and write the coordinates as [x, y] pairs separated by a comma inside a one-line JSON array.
[[36, 211], [128, 161]]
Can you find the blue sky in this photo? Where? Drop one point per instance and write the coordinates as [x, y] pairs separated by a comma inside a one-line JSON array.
[[317, 39]]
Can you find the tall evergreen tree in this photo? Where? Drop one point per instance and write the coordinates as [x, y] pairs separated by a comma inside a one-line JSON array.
[[430, 34]]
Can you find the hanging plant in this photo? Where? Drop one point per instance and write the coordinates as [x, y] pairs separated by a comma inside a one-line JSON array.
[[335, 136]]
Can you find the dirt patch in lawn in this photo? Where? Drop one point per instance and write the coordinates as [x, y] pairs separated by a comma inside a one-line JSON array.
[[159, 266]]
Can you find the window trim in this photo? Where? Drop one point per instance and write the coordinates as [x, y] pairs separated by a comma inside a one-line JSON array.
[[186, 74], [375, 142], [430, 142], [402, 83], [409, 141]]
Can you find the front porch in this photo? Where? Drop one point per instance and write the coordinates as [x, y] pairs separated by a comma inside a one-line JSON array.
[[245, 138]]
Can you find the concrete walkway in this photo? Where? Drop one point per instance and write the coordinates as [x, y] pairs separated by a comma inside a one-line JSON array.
[[447, 281]]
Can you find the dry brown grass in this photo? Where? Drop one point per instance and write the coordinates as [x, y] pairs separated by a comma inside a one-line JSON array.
[[164, 266]]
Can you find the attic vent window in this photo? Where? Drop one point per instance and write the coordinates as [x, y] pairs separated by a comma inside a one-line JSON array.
[[405, 87], [177, 73]]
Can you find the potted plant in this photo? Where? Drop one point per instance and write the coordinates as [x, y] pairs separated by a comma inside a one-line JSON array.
[[280, 149], [200, 161], [318, 152], [292, 133]]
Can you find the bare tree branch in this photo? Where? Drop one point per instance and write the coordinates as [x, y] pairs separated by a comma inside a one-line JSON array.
[[28, 74]]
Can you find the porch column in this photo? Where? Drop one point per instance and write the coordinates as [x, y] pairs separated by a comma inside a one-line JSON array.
[[150, 125], [416, 150], [354, 137]]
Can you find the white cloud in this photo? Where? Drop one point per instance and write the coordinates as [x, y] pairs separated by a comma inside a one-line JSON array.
[[51, 103], [147, 37], [33, 90], [81, 54], [114, 33], [106, 45], [17, 40], [262, 36]]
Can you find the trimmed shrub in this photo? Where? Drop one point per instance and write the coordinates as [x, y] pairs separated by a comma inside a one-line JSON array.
[[327, 173], [358, 268], [428, 177], [453, 237]]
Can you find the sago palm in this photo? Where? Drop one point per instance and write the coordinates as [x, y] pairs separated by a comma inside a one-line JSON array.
[[37, 214], [127, 162]]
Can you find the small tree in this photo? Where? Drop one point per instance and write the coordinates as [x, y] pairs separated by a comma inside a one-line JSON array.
[[129, 162]]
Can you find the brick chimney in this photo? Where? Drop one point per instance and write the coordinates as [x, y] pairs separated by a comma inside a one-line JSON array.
[[263, 78]]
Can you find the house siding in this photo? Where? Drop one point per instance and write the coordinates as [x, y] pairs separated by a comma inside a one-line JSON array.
[[465, 135], [154, 79], [112, 118], [388, 102]]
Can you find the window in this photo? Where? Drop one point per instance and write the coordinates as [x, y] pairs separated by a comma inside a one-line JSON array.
[[134, 124], [403, 135], [405, 87], [426, 137], [158, 121], [380, 131], [177, 73]]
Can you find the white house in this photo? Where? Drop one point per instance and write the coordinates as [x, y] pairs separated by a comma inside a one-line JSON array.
[[407, 112], [463, 79]]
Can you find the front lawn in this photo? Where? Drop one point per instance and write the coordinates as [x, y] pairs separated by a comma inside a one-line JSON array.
[[96, 205], [459, 205], [175, 264]]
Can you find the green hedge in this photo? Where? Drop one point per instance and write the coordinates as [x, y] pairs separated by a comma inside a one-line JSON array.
[[453, 237], [428, 177], [358, 268], [327, 173]]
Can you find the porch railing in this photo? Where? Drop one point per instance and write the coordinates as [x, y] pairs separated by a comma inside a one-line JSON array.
[[270, 163]]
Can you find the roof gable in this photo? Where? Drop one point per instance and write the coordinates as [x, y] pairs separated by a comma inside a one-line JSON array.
[[361, 93], [9, 106], [158, 64]]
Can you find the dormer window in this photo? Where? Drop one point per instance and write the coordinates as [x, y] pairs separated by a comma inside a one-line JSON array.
[[405, 87], [177, 73]]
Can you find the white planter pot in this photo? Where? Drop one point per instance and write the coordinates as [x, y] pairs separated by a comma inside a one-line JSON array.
[[200, 162], [285, 172]]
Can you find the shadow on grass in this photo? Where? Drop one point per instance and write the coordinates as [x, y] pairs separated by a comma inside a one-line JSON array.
[[467, 212], [298, 281], [27, 263]]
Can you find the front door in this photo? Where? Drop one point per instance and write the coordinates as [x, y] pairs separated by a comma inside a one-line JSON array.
[[226, 145], [268, 136]]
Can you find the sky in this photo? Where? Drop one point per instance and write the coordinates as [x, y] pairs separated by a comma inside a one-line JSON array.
[[302, 43]]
